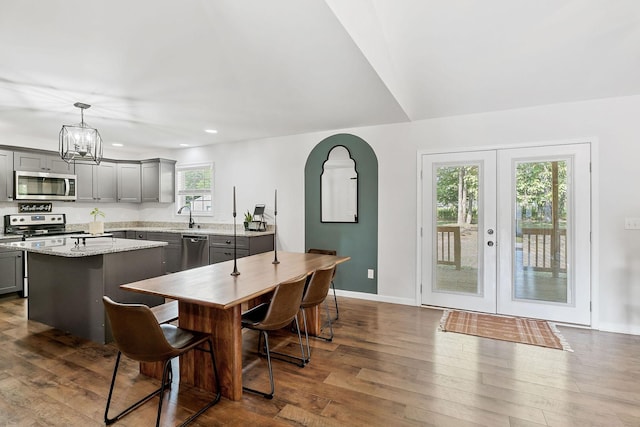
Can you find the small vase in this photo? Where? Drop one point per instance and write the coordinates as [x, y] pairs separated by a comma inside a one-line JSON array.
[[96, 227]]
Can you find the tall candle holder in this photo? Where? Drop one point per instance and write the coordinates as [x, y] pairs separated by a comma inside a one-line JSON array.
[[275, 230], [235, 239]]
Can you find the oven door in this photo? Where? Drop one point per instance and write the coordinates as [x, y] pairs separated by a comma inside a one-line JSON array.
[[44, 186]]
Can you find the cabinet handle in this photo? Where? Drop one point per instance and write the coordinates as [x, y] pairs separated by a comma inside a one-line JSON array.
[[228, 242]]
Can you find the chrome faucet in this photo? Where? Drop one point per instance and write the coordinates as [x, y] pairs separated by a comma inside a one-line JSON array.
[[191, 222]]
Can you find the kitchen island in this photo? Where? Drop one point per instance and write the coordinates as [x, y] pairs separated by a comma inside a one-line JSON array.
[[67, 279]]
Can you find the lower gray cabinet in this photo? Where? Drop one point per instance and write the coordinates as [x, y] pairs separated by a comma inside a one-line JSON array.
[[221, 247], [132, 234], [172, 252], [11, 270], [225, 254]]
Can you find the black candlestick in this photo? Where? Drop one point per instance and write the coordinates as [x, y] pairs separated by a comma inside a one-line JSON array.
[[275, 235], [235, 240]]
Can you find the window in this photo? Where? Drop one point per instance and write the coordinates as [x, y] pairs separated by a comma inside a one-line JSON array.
[[194, 188]]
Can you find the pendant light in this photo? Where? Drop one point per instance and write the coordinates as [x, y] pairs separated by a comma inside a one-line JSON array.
[[80, 143]]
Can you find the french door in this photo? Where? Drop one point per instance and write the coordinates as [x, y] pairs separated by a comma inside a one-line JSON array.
[[508, 231]]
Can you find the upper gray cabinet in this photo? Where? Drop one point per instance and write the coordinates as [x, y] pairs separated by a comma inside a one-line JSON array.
[[39, 162], [129, 184], [6, 176], [158, 180], [97, 183]]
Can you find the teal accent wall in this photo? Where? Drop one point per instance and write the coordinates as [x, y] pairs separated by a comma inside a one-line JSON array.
[[357, 240]]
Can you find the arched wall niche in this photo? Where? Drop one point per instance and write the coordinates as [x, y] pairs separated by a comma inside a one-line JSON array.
[[358, 240]]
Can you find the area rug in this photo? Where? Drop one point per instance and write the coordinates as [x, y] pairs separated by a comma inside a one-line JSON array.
[[505, 328]]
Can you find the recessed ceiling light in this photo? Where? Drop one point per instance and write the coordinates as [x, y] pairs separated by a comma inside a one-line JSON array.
[[211, 131], [184, 145], [117, 144]]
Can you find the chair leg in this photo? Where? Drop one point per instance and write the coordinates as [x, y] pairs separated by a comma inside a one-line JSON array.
[[166, 372], [306, 336], [306, 333], [218, 389], [299, 361], [330, 338], [109, 421], [335, 300], [267, 395]]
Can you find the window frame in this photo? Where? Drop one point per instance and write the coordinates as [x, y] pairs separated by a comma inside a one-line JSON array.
[[181, 194]]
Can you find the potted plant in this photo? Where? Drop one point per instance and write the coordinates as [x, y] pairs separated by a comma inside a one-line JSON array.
[[247, 219], [95, 226]]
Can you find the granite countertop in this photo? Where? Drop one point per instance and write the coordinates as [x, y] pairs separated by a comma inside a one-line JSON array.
[[65, 246], [207, 231], [166, 227]]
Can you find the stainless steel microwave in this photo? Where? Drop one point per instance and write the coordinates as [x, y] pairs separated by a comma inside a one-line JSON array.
[[44, 186]]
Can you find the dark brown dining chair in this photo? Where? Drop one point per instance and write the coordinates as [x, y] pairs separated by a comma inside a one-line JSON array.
[[273, 315], [315, 294], [333, 286], [138, 336]]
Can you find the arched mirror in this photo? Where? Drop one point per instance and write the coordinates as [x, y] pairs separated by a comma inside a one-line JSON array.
[[339, 187]]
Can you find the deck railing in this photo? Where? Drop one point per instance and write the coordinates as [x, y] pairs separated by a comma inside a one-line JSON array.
[[544, 249], [448, 246]]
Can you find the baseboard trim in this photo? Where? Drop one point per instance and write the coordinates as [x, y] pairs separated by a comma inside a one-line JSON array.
[[619, 328], [375, 297]]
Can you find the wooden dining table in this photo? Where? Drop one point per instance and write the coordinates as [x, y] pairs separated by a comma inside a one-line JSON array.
[[211, 299]]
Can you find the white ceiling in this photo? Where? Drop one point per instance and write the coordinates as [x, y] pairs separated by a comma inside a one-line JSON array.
[[159, 72]]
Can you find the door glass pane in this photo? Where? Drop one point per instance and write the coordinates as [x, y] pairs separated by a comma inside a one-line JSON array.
[[456, 236], [540, 250]]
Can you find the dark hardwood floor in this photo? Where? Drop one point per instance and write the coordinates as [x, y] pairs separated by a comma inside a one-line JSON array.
[[387, 366]]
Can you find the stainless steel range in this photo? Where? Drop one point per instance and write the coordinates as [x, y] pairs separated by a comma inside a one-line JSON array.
[[36, 226]]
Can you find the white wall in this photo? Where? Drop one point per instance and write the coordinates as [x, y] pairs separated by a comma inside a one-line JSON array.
[[256, 168]]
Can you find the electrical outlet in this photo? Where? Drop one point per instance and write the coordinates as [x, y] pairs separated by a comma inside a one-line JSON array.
[[632, 223], [370, 273]]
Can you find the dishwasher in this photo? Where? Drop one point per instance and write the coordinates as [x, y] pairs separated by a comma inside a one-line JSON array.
[[195, 251]]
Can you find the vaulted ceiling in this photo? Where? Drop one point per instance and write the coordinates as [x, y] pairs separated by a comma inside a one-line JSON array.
[[160, 72]]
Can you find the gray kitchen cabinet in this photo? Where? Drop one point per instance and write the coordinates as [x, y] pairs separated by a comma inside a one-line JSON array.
[[172, 252], [6, 176], [132, 234], [11, 269], [221, 247], [97, 183], [118, 234], [129, 188], [40, 162], [158, 180]]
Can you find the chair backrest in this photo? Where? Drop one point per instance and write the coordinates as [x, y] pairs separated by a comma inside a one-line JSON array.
[[324, 252], [318, 287], [136, 332], [285, 304]]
